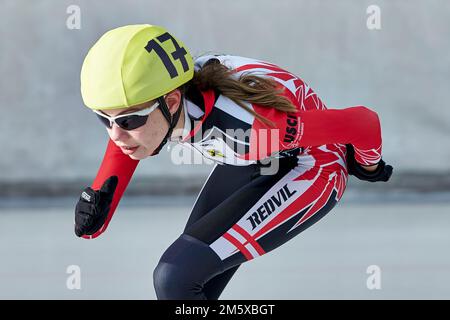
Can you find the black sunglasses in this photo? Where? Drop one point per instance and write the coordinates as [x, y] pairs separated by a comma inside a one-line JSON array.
[[129, 121]]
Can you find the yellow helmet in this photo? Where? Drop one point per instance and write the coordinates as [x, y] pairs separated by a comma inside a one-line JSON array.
[[133, 64]]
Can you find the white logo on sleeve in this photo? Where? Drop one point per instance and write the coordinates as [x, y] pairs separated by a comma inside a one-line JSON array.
[[86, 197]]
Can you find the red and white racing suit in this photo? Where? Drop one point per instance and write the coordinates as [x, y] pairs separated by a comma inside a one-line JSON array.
[[241, 213]]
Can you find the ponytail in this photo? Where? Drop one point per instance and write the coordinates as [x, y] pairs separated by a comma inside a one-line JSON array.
[[247, 88]]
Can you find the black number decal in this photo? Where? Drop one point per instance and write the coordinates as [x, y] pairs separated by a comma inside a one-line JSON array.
[[178, 54]]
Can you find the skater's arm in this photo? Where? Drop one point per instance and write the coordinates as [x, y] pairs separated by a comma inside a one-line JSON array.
[[358, 126], [115, 163]]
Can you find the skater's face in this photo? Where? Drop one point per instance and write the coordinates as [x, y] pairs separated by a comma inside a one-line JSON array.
[[142, 141]]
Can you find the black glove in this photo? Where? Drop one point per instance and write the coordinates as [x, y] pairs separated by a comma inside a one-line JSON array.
[[93, 206], [382, 173]]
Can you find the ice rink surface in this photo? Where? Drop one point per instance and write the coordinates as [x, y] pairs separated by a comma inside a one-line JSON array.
[[407, 237]]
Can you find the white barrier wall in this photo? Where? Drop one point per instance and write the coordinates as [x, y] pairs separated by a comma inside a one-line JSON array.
[[402, 71]]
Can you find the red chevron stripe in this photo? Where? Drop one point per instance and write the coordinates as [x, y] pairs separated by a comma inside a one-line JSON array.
[[238, 245], [249, 239], [320, 203]]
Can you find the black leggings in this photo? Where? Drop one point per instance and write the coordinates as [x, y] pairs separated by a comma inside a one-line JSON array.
[[241, 214]]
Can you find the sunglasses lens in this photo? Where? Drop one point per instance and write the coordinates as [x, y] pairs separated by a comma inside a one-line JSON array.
[[104, 121], [131, 122]]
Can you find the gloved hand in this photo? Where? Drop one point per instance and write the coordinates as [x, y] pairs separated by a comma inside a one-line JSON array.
[[382, 173], [93, 206]]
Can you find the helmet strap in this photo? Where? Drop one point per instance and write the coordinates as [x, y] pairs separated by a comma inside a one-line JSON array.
[[172, 120]]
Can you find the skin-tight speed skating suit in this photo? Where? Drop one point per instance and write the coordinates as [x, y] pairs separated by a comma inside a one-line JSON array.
[[244, 210]]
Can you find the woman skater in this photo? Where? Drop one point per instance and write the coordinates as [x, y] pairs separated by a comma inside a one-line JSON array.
[[282, 158]]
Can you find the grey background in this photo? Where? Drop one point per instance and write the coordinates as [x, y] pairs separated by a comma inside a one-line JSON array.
[[51, 148], [407, 241], [401, 71]]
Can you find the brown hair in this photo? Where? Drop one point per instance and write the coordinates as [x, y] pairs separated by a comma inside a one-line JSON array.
[[247, 88]]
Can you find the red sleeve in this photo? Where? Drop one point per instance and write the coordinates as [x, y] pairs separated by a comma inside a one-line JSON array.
[[115, 163], [358, 126]]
